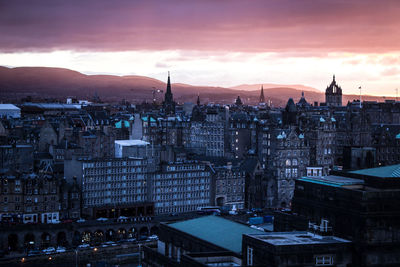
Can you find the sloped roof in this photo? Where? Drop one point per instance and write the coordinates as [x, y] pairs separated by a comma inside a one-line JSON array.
[[391, 171], [216, 230]]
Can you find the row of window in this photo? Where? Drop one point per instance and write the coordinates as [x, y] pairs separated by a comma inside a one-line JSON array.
[[114, 178], [182, 195], [182, 175], [183, 181], [112, 163], [181, 188], [113, 170], [103, 186]]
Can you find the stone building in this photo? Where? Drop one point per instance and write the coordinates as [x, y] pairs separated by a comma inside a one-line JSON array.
[[291, 157], [110, 183], [241, 127], [70, 200], [181, 187], [30, 198], [16, 157], [230, 186]]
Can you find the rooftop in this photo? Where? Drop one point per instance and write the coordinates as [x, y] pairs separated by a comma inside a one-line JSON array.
[[391, 171], [52, 105], [331, 180], [8, 107], [131, 142], [297, 238], [216, 230]]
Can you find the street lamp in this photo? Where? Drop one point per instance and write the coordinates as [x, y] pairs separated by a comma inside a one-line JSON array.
[[140, 255], [76, 257]]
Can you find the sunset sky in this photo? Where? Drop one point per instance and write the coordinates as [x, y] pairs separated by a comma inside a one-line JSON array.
[[211, 42]]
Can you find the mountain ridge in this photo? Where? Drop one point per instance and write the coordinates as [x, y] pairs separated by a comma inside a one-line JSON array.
[[20, 82]]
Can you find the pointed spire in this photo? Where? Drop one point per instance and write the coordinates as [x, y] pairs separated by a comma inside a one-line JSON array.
[[168, 85], [302, 94], [169, 104], [334, 77], [262, 98], [198, 99]]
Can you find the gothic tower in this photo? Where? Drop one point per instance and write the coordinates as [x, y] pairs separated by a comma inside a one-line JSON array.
[[262, 98], [169, 104], [333, 94]]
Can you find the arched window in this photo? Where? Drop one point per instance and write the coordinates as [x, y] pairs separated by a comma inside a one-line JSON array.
[[288, 163]]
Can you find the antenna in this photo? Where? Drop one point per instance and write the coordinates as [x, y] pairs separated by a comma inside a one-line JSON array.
[[397, 90], [360, 95]]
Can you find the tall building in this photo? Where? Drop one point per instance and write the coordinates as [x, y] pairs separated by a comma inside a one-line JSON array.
[[180, 187], [169, 104], [114, 187], [333, 94]]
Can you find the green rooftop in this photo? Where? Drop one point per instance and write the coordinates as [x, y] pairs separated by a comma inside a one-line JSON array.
[[331, 180], [391, 171], [216, 230]]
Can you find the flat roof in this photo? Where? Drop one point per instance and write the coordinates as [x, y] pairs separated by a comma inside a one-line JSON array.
[[391, 171], [52, 105], [216, 230], [297, 238], [131, 142], [332, 180], [8, 107]]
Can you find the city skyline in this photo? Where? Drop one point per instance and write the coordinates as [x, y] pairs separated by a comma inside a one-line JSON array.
[[220, 44]]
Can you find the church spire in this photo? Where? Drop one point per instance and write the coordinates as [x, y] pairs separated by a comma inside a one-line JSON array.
[[169, 104], [262, 98], [168, 85], [198, 99], [333, 77]]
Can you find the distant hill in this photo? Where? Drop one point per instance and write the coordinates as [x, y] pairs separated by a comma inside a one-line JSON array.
[[251, 87], [59, 83]]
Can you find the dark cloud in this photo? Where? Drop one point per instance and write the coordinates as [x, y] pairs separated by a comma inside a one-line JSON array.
[[236, 25]]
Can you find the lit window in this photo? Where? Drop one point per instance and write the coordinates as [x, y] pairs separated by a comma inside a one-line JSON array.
[[325, 260], [249, 256]]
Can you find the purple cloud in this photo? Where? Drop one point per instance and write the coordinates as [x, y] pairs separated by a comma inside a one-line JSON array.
[[277, 25]]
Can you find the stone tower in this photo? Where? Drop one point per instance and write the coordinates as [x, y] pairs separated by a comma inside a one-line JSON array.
[[169, 104], [333, 94]]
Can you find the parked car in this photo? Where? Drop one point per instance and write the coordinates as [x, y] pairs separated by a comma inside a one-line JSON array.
[[34, 252], [110, 243], [49, 250], [61, 250], [153, 237], [131, 240], [81, 220], [101, 219], [84, 245], [122, 219]]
